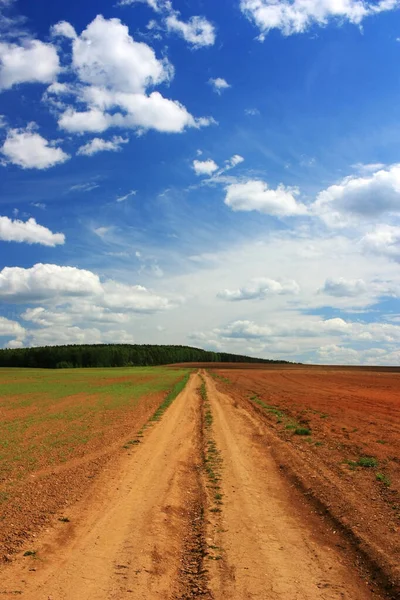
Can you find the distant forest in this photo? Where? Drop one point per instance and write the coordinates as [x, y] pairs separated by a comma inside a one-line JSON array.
[[114, 355]]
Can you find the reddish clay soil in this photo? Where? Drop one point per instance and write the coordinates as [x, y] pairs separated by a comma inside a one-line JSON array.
[[39, 498], [351, 414], [151, 524]]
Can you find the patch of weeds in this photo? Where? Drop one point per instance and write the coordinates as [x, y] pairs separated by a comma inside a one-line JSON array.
[[30, 553], [319, 444], [64, 519], [368, 462], [383, 479], [302, 431], [381, 441], [219, 377], [291, 426], [352, 464]]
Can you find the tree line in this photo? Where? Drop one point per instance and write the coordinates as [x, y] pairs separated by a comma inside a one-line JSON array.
[[113, 355]]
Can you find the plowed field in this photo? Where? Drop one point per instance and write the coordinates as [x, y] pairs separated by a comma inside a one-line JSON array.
[[252, 484]]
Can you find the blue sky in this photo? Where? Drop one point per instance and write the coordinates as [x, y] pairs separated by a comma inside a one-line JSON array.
[[220, 174]]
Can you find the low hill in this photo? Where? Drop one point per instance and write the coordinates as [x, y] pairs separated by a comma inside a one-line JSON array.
[[114, 355]]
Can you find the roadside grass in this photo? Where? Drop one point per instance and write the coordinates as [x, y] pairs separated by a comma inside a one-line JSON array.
[[49, 416], [212, 462], [212, 457]]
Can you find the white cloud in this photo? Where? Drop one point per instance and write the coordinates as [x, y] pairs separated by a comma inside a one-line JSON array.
[[55, 285], [383, 240], [63, 29], [84, 187], [156, 5], [256, 195], [368, 168], [360, 198], [204, 167], [99, 145], [235, 160], [297, 16], [344, 355], [44, 281], [260, 288], [310, 328], [56, 335], [197, 31], [11, 328], [219, 84], [89, 121], [344, 287], [106, 56], [29, 232], [114, 73], [29, 150], [126, 196], [33, 62], [102, 231]]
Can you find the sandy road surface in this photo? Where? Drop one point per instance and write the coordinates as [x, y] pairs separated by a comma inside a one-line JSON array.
[[268, 549], [133, 539]]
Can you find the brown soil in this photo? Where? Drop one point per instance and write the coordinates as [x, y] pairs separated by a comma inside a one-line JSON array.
[[351, 414], [34, 500], [146, 528]]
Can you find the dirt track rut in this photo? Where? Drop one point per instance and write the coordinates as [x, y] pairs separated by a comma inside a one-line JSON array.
[[141, 534]]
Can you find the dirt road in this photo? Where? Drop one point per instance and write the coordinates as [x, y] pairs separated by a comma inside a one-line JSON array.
[[143, 532]]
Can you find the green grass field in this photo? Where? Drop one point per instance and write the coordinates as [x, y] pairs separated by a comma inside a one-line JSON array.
[[50, 416]]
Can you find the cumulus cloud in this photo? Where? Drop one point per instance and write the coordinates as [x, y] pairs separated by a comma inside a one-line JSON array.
[[219, 84], [309, 328], [259, 289], [345, 355], [46, 281], [113, 76], [297, 16], [60, 285], [99, 145], [63, 29], [11, 329], [29, 150], [342, 287], [32, 62], [204, 167], [384, 240], [197, 31], [360, 198], [29, 232], [256, 195]]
